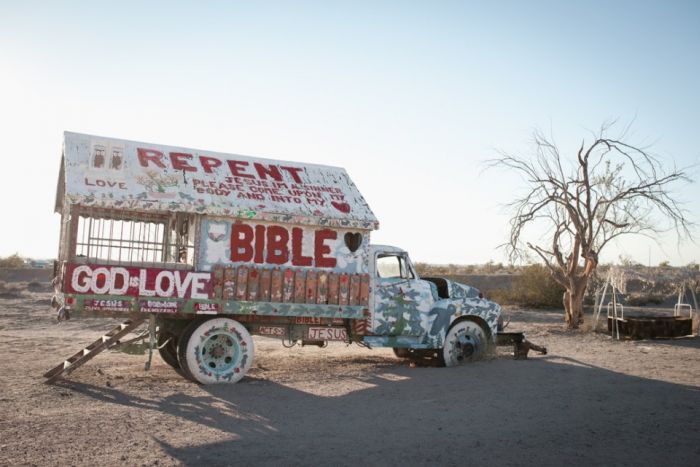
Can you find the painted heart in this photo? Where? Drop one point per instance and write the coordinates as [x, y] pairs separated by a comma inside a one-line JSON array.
[[342, 207], [353, 240]]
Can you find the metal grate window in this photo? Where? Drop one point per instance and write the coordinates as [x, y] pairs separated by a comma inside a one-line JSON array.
[[149, 240]]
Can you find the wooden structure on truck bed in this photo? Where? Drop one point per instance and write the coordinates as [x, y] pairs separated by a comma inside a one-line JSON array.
[[170, 230]]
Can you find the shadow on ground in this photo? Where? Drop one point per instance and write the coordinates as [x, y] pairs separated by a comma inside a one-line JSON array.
[[500, 412]]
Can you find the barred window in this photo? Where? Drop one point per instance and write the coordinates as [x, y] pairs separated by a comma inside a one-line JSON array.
[[143, 239]]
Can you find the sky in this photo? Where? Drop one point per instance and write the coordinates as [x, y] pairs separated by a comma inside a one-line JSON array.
[[410, 97]]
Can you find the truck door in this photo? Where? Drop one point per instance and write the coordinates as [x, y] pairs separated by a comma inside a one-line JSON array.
[[401, 301]]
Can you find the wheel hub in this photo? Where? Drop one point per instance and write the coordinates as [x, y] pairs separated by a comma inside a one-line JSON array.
[[220, 353], [466, 345]]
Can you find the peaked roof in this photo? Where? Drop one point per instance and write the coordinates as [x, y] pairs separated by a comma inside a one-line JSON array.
[[133, 176]]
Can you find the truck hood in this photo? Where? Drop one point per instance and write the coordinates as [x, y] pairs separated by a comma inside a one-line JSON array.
[[458, 290]]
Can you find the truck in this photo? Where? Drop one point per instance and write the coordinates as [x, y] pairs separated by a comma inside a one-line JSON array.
[[213, 248]]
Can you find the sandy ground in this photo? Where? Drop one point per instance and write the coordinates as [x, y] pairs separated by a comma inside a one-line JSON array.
[[591, 401]]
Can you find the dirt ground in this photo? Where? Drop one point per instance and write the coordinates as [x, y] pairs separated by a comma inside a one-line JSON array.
[[591, 401]]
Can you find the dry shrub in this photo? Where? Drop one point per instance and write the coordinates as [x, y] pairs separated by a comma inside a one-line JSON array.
[[12, 290], [533, 287], [13, 261]]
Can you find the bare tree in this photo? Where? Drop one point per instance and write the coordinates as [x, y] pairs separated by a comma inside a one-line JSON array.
[[609, 189]]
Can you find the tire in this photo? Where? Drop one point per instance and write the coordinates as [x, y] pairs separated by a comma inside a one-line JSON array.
[[476, 343], [401, 352], [168, 352], [215, 351]]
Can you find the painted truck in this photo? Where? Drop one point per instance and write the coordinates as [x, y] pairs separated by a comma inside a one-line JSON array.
[[219, 247]]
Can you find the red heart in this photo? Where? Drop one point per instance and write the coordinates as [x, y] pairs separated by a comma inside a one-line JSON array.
[[342, 207]]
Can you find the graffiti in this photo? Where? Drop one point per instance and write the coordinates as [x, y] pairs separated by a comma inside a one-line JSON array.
[[270, 245], [328, 334], [272, 331], [107, 305], [273, 244], [159, 306], [205, 308], [145, 282], [156, 177]]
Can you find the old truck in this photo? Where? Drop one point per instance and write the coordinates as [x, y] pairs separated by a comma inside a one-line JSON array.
[[212, 248]]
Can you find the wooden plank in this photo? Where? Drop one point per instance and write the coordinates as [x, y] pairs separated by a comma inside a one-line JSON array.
[[276, 285], [311, 286], [241, 283], [364, 289], [253, 284], [343, 289], [89, 352], [332, 288], [354, 298], [299, 286], [264, 289], [322, 288], [218, 281], [288, 286], [229, 286]]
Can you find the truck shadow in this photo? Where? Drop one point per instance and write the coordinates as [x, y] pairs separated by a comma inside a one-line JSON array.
[[544, 411]]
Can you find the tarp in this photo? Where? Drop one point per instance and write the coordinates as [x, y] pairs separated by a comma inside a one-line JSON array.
[[129, 175]]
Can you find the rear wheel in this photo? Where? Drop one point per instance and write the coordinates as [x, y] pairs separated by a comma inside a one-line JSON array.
[[167, 348], [218, 350], [466, 341]]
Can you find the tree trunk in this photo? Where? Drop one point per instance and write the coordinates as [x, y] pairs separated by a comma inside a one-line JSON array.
[[573, 302]]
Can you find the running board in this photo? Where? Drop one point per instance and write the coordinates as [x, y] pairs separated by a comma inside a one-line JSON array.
[[87, 353]]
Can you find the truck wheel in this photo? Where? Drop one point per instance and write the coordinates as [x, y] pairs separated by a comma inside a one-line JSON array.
[[218, 350], [466, 341], [401, 352], [168, 352]]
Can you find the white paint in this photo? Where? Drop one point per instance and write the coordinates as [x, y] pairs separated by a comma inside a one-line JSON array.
[[234, 184]]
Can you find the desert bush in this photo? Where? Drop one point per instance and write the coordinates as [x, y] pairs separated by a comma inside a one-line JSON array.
[[645, 299], [534, 287], [13, 261]]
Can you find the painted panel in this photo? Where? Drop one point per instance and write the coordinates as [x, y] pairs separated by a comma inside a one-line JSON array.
[[229, 287], [265, 283], [276, 285], [253, 284], [333, 288], [241, 283], [354, 290], [124, 174], [364, 288], [288, 286], [343, 290], [299, 286], [218, 278], [269, 245], [322, 288], [132, 281], [311, 286], [328, 334], [292, 309]]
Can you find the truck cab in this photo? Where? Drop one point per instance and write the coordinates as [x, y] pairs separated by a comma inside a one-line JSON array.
[[410, 312]]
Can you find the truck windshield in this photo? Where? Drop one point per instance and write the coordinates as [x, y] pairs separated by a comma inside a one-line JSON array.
[[393, 266]]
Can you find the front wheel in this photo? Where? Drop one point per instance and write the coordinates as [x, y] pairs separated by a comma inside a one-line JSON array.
[[466, 341], [218, 350]]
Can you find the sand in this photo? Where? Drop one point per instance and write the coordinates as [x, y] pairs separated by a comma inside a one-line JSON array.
[[590, 401]]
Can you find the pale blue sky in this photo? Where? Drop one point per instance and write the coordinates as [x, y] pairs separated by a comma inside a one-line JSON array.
[[410, 97]]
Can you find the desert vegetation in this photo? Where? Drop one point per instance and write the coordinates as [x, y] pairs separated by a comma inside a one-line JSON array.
[[12, 261]]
